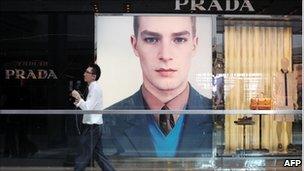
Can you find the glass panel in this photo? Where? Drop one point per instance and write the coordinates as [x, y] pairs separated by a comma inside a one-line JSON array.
[[229, 94]]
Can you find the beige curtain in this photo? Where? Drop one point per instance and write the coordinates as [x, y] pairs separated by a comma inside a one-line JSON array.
[[252, 56]]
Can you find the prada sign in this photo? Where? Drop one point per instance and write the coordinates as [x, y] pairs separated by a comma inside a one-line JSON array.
[[30, 74], [33, 70], [214, 5], [261, 7]]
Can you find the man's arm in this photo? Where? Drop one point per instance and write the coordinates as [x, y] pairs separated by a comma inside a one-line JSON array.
[[93, 97]]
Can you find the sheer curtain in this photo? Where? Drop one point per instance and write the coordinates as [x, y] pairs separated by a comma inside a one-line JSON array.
[[252, 57]]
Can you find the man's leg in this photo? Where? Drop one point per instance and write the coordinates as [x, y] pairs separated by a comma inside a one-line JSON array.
[[102, 160], [85, 149]]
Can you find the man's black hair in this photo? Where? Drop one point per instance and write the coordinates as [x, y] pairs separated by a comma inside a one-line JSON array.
[[95, 70]]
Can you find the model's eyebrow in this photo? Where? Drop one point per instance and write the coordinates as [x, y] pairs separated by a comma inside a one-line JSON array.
[[155, 34], [181, 33], [149, 33]]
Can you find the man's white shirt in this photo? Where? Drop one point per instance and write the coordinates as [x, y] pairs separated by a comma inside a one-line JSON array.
[[93, 102]]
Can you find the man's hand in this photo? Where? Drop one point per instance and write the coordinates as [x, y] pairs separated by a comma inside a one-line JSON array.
[[295, 106], [76, 95]]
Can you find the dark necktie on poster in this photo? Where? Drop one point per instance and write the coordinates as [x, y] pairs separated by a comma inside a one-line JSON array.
[[166, 121]]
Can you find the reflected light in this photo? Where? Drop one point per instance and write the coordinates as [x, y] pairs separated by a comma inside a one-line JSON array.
[[254, 163]]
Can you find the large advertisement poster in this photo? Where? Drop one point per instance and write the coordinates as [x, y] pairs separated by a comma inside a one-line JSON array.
[[158, 63], [166, 53]]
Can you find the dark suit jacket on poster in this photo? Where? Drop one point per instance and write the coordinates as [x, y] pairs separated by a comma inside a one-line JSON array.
[[132, 135]]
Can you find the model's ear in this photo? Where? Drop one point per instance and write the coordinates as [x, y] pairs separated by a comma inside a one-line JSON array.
[[195, 45], [195, 42], [133, 40]]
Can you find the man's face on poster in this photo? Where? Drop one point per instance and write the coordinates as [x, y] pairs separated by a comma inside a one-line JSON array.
[[165, 47]]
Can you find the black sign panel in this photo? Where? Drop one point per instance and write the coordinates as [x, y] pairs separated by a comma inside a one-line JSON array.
[[265, 7]]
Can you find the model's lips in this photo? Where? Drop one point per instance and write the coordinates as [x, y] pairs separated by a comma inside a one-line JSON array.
[[165, 71]]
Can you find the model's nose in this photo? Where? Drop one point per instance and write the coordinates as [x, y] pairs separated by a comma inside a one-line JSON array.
[[165, 52]]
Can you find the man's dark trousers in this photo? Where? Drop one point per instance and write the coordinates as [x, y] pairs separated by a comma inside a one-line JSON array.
[[90, 143]]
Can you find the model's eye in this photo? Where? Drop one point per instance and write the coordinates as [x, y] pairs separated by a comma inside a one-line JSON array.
[[180, 40], [151, 40]]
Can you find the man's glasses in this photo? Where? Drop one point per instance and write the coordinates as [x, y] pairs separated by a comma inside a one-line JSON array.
[[88, 72]]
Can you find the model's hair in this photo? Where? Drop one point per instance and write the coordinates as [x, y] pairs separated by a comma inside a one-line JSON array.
[[136, 25], [95, 70]]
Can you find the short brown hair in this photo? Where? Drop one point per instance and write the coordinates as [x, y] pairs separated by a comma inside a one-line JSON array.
[[136, 25]]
